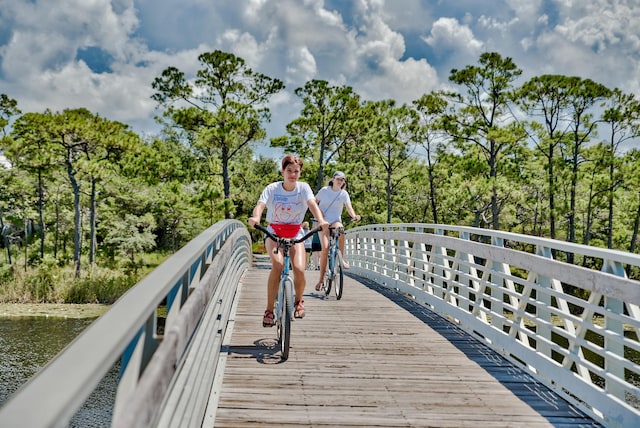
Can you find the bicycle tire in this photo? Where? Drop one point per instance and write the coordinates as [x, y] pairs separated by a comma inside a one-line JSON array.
[[338, 276], [328, 275], [284, 322], [328, 281]]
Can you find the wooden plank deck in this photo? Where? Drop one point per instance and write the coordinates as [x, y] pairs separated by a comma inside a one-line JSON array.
[[372, 359]]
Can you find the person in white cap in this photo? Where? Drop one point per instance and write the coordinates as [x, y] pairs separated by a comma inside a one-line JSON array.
[[332, 199]]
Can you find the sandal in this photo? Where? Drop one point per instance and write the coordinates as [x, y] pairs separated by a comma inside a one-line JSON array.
[[269, 320], [299, 312]]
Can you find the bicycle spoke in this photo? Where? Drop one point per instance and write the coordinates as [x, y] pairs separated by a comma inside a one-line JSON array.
[[339, 277], [285, 321]]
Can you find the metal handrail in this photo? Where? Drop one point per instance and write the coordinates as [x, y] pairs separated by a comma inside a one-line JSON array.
[[127, 331], [571, 326]]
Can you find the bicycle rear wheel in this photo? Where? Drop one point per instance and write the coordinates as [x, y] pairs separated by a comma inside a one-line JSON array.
[[338, 275], [328, 274], [284, 321]]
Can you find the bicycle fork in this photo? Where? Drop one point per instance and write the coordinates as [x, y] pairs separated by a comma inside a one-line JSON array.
[[284, 300]]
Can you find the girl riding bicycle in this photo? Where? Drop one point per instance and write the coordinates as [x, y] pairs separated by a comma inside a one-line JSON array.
[[286, 202], [331, 200]]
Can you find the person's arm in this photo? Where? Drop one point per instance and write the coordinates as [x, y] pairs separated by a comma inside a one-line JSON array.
[[257, 214], [317, 213], [350, 210], [352, 213]]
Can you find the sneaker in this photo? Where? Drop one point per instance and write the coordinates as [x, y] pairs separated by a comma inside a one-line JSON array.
[[268, 320]]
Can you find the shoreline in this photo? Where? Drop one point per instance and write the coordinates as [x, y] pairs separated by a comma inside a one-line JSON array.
[[53, 310]]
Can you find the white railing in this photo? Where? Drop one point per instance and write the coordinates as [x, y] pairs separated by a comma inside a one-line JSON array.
[[574, 328], [198, 285]]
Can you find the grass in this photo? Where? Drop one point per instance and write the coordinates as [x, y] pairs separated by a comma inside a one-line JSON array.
[[49, 283]]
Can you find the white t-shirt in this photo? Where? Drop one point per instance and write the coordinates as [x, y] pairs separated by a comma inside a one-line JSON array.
[[285, 207], [331, 203]]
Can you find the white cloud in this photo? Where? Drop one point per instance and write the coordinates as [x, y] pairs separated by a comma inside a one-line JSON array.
[[600, 24], [396, 49], [302, 64], [447, 34], [387, 75]]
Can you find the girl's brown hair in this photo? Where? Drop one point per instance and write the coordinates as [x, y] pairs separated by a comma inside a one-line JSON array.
[[291, 159]]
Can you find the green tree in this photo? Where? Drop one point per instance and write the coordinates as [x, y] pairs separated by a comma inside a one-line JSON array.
[[594, 188], [392, 139], [87, 146], [546, 100], [583, 96], [8, 109], [321, 130], [631, 167], [484, 116], [132, 236], [430, 108], [622, 117], [29, 150], [222, 110]]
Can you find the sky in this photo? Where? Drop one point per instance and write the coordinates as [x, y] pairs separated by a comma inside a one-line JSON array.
[[104, 54]]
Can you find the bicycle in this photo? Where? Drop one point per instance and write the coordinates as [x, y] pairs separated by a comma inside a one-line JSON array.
[[283, 309], [334, 275]]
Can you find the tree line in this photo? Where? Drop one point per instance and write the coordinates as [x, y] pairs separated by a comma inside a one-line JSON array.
[[551, 157]]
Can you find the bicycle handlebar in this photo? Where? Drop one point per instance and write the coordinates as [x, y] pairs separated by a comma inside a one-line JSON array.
[[280, 239], [336, 229]]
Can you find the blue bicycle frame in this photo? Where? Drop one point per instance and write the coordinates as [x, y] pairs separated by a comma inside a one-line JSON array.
[[283, 308]]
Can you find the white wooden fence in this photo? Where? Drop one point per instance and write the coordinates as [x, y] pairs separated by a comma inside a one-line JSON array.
[[574, 328]]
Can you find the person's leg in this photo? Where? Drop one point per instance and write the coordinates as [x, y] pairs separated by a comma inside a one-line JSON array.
[[345, 265], [277, 262], [299, 279], [324, 240]]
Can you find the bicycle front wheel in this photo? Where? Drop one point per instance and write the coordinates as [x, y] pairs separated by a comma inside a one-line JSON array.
[[284, 321], [328, 281], [338, 276]]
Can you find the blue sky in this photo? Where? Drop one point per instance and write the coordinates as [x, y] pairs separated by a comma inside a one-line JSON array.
[[104, 54]]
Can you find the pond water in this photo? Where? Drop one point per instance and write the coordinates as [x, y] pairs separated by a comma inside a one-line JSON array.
[[27, 344]]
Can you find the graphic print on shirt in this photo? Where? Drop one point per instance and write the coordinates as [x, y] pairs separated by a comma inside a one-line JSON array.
[[286, 209]]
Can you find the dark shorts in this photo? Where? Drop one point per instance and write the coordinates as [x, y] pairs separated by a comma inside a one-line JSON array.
[[315, 243]]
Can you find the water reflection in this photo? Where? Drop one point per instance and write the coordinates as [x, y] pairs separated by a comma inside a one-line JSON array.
[[28, 343]]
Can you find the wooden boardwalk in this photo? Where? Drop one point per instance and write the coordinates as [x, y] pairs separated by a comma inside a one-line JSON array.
[[372, 359]]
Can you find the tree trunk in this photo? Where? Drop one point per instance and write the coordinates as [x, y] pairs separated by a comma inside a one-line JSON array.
[[636, 227], [225, 181], [432, 188], [7, 244], [76, 218], [41, 213], [552, 199], [56, 233], [610, 197], [92, 224], [495, 210]]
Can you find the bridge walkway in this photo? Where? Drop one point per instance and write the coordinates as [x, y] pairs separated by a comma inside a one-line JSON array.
[[373, 358]]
